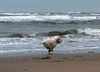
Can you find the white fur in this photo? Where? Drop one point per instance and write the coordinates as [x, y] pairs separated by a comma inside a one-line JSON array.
[[51, 42]]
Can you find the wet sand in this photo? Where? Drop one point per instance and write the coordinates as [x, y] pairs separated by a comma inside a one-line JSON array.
[[89, 62]]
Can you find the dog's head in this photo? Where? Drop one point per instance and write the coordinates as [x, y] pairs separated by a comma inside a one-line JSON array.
[[58, 39]]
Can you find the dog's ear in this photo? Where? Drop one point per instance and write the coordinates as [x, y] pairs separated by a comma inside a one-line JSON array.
[[59, 40]]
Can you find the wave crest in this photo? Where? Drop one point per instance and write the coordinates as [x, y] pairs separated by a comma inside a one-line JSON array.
[[86, 31], [18, 17], [89, 31]]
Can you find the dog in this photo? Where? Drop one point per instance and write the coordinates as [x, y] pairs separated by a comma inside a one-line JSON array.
[[51, 42]]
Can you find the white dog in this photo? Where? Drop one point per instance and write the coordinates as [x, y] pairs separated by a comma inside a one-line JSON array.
[[51, 42]]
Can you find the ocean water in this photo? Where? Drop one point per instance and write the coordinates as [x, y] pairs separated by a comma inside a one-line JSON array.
[[21, 34]]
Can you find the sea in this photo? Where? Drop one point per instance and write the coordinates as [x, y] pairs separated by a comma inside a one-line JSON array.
[[21, 34]]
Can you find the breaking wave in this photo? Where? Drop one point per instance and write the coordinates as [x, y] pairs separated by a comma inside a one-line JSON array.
[[86, 31], [89, 31], [26, 17]]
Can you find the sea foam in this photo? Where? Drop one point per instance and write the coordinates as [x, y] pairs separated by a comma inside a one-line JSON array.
[[89, 31], [18, 17]]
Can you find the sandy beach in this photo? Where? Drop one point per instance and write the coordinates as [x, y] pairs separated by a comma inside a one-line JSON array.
[[89, 62], [49, 35]]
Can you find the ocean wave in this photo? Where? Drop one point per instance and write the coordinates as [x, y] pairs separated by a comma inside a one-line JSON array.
[[53, 33], [84, 32], [89, 31], [32, 18], [17, 42], [19, 35], [93, 14], [74, 12], [40, 34], [15, 14], [26, 17], [13, 51]]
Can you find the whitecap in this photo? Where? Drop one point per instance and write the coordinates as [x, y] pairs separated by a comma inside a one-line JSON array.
[[89, 31], [45, 18]]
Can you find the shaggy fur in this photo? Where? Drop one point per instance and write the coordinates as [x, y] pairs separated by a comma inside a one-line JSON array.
[[50, 43]]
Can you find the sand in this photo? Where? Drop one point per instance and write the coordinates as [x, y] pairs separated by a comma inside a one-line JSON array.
[[49, 63]]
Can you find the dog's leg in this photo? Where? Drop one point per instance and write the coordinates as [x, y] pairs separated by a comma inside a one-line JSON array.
[[49, 51]]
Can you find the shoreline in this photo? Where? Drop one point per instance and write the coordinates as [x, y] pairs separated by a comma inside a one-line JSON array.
[[56, 53], [89, 62], [68, 56]]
